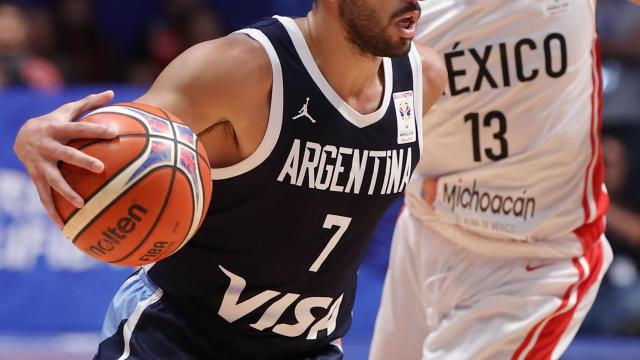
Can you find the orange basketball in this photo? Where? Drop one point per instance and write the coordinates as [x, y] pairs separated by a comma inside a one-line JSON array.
[[152, 195]]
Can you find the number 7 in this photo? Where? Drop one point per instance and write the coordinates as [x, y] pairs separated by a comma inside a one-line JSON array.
[[342, 223]]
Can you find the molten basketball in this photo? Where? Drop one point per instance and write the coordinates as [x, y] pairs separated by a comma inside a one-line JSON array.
[[152, 195]]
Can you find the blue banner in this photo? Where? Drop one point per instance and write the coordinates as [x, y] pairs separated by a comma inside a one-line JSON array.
[[48, 286]]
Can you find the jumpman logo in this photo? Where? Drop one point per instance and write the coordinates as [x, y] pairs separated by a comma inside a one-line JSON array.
[[304, 112]]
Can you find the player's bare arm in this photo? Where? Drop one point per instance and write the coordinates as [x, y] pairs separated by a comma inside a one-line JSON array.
[[225, 99], [221, 89], [434, 76], [434, 73]]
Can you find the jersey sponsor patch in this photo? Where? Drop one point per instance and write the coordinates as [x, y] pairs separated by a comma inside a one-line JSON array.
[[486, 210], [306, 310], [405, 115]]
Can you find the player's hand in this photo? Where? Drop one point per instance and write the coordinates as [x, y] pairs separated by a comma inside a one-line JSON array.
[[41, 143]]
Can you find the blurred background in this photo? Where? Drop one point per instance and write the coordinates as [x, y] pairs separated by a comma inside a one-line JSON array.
[[53, 298]]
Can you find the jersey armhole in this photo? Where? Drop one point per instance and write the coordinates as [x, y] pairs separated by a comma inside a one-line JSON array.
[[274, 126], [418, 83]]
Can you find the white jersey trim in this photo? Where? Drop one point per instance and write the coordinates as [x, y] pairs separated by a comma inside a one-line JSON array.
[[572, 300], [418, 87], [131, 323], [275, 116], [348, 112], [595, 139]]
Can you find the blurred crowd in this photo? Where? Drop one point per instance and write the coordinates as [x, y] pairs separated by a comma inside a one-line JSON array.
[[45, 44], [617, 308]]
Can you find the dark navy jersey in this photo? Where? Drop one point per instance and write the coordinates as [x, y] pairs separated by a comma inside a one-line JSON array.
[[273, 268]]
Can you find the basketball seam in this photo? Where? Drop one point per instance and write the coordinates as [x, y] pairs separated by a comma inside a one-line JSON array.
[[174, 167], [169, 119], [122, 194], [193, 203], [166, 198], [157, 219], [146, 136], [145, 126], [204, 202], [97, 141]]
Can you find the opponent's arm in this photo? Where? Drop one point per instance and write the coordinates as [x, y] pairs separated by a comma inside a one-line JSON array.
[[434, 73], [219, 88], [434, 76]]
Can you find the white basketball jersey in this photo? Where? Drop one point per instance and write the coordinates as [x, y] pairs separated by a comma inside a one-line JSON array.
[[514, 139]]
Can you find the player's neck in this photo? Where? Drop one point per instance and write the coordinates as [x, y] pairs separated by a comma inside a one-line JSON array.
[[350, 72]]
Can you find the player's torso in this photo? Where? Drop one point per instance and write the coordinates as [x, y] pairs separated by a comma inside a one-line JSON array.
[[275, 260], [511, 138]]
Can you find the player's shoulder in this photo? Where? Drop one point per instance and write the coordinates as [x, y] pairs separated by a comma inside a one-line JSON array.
[[210, 79], [434, 71], [235, 58]]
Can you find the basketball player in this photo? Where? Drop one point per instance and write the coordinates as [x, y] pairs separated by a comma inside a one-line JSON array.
[[312, 129], [500, 252]]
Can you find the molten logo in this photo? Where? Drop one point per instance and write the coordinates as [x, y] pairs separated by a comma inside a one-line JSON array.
[[114, 235]]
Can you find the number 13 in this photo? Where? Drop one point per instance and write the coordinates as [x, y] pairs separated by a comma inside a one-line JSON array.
[[499, 135]]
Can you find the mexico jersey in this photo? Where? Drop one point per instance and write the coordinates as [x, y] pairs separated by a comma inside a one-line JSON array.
[[514, 140], [273, 267]]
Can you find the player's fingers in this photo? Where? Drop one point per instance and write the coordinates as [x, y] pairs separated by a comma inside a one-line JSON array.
[[89, 103], [44, 192], [54, 178], [96, 100], [58, 152], [83, 130], [78, 158]]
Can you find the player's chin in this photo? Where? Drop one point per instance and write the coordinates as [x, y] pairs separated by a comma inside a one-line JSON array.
[[400, 47], [400, 43]]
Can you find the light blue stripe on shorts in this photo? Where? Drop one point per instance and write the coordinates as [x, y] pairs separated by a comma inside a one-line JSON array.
[[136, 290]]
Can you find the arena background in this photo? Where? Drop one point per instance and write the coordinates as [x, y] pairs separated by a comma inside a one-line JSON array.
[[53, 298]]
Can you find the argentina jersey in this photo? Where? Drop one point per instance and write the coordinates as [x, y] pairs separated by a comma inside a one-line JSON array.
[[273, 267]]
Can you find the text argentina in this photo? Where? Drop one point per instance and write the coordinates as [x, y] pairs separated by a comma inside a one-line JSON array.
[[470, 198], [346, 170]]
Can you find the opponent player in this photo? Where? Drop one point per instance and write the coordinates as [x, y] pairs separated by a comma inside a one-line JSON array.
[[500, 254], [312, 129]]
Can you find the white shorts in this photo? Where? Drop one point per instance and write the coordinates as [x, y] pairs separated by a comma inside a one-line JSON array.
[[442, 301]]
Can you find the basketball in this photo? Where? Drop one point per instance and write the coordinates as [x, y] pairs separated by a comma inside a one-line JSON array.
[[152, 195]]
